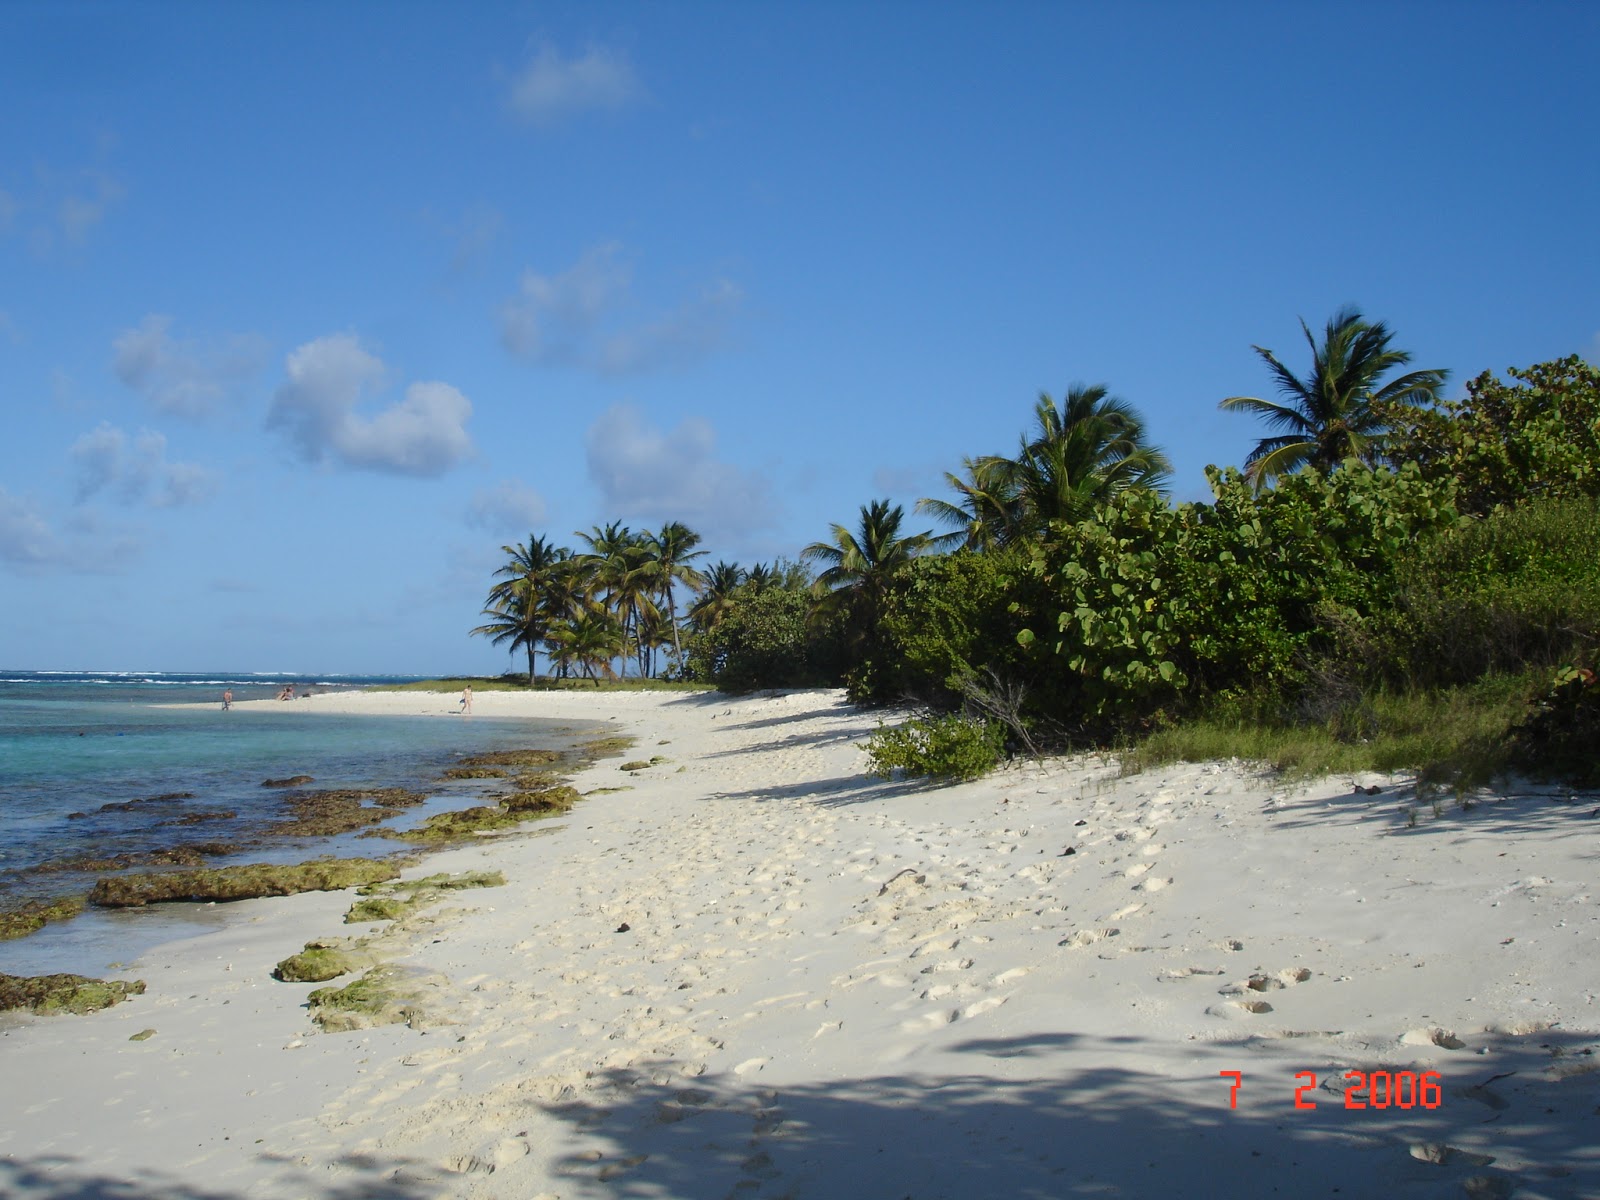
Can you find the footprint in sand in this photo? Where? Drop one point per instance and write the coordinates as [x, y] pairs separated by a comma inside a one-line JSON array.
[[1127, 910], [1138, 869], [1177, 973], [1153, 885], [1239, 1008], [929, 1021], [1285, 978], [1445, 1039], [1088, 937], [987, 1004]]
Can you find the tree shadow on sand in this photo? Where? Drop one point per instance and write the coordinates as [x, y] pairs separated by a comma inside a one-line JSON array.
[[61, 1177]]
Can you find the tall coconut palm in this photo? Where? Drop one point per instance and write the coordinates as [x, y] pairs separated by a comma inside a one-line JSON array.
[[715, 600], [985, 513], [519, 603], [1080, 453], [1337, 411], [858, 565], [589, 640], [669, 554], [617, 565]]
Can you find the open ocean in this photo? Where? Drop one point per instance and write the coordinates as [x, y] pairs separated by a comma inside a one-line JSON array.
[[73, 742]]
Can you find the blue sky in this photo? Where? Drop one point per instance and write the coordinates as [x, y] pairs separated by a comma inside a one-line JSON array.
[[305, 310]]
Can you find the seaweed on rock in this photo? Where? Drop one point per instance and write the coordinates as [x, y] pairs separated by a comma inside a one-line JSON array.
[[240, 883], [52, 995]]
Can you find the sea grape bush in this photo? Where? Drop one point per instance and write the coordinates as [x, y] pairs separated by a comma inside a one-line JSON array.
[[951, 746], [1508, 443]]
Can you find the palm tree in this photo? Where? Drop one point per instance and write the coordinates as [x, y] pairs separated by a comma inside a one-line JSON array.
[[986, 513], [519, 603], [670, 553], [620, 577], [1081, 454], [857, 566], [1338, 410], [1078, 454], [715, 600], [590, 640]]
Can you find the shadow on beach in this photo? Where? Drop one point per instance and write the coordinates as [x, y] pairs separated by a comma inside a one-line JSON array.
[[56, 1177]]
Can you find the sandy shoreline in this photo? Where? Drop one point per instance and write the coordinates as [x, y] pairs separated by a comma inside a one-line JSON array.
[[832, 987]]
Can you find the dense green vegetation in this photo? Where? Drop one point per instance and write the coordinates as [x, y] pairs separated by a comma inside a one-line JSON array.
[[1393, 580]]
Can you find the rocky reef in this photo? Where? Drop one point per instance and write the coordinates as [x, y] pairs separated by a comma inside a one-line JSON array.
[[52, 995], [32, 917], [240, 883]]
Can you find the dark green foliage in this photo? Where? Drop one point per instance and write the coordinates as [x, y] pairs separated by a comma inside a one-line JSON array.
[[946, 619], [766, 641], [1562, 735], [949, 747], [1508, 443], [1517, 588]]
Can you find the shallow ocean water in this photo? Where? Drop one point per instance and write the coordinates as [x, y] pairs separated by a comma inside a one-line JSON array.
[[71, 743]]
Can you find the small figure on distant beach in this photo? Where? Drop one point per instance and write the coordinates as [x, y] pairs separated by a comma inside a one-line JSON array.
[[466, 700], [227, 699], [287, 693]]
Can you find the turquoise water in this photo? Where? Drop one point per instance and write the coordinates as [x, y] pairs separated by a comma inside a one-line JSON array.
[[74, 742]]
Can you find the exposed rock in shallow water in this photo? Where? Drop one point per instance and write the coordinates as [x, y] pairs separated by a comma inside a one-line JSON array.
[[387, 995], [463, 823], [512, 758], [475, 773], [545, 801], [192, 855], [323, 960], [55, 994], [240, 883], [31, 918], [135, 805], [340, 810], [291, 781]]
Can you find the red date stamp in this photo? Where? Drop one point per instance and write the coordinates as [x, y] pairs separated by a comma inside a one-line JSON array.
[[1363, 1089]]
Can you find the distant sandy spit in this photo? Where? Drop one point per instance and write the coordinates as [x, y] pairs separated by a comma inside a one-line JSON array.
[[756, 972]]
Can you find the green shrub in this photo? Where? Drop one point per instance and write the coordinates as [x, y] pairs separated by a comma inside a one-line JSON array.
[[947, 747], [1518, 588], [766, 641]]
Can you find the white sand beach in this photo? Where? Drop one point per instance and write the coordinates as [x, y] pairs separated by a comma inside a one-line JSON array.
[[758, 973]]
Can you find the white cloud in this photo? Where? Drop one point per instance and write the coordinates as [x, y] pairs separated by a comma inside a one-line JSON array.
[[86, 205], [26, 538], [508, 507], [136, 469], [88, 544], [579, 318], [551, 88], [183, 378], [424, 433], [553, 318], [656, 476]]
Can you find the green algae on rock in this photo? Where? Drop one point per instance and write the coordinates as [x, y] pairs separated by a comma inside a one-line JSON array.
[[240, 883], [323, 960], [475, 773], [52, 995], [291, 781], [385, 901], [605, 747], [386, 995], [340, 810], [512, 758], [544, 801], [32, 917]]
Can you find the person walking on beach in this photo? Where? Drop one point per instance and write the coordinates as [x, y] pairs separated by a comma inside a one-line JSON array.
[[466, 700], [227, 699]]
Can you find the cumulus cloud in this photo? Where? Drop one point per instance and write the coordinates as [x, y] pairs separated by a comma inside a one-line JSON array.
[[29, 542], [136, 469], [649, 474], [183, 378], [26, 538], [424, 433], [508, 507], [580, 318], [551, 88]]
